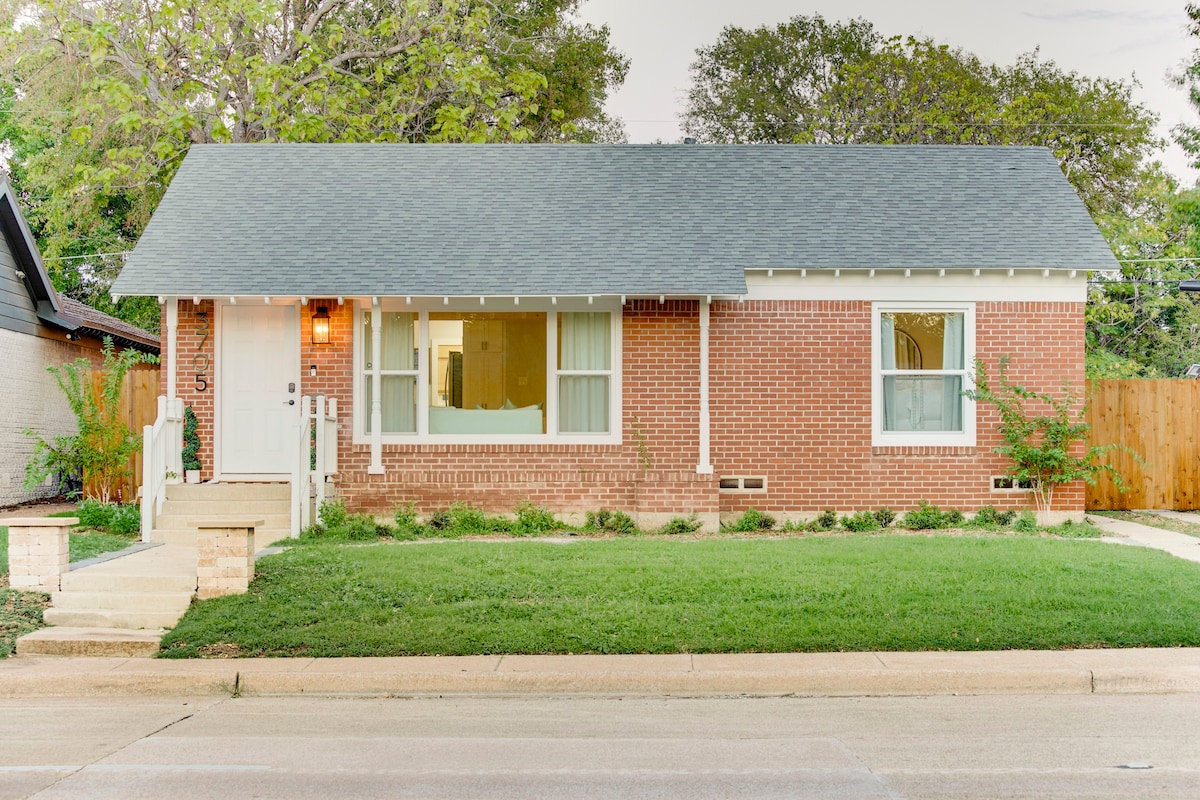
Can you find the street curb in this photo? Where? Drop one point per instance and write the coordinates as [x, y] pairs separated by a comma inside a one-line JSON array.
[[768, 675]]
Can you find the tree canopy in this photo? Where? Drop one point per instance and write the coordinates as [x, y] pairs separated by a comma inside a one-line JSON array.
[[812, 80], [108, 95]]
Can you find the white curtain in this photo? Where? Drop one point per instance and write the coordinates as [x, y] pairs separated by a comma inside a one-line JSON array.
[[952, 358], [584, 344], [887, 335], [397, 392]]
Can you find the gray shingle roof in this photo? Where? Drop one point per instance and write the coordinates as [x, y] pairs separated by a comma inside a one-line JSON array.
[[357, 219]]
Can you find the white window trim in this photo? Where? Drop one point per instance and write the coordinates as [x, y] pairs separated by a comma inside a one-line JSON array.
[[882, 438], [423, 307]]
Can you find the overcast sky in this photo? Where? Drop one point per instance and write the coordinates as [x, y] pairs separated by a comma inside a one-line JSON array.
[[1146, 39]]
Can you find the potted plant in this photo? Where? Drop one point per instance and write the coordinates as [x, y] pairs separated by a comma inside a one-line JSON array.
[[191, 446]]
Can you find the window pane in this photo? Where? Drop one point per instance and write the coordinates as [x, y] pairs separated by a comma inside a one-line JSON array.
[[584, 340], [398, 337], [922, 403], [583, 404], [487, 373], [922, 340], [398, 397]]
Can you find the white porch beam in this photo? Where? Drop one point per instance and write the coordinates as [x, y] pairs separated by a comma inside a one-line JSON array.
[[172, 346], [704, 467], [376, 466]]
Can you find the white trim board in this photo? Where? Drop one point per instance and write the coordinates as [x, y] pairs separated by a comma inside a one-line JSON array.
[[955, 286]]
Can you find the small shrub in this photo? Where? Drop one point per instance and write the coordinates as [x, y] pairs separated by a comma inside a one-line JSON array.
[[465, 518], [884, 516], [1076, 530], [827, 520], [750, 521], [794, 526], [861, 522], [986, 517], [952, 518], [440, 521], [126, 520], [109, 517], [332, 513], [681, 526], [533, 519], [405, 516], [359, 528], [605, 521], [1026, 522], [94, 514], [923, 518], [1006, 518]]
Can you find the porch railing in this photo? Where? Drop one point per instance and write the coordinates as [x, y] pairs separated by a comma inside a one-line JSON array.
[[316, 458], [162, 459]]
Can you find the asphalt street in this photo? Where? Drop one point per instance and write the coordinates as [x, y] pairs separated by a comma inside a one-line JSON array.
[[1062, 746]]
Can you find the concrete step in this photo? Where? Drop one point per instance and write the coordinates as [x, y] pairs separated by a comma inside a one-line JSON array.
[[229, 491], [122, 601], [102, 642], [110, 618], [206, 509], [171, 519]]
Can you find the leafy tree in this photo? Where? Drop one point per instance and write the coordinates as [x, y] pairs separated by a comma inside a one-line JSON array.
[[99, 449], [110, 94], [810, 80], [1045, 437]]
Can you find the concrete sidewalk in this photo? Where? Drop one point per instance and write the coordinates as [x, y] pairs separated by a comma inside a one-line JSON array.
[[1177, 544], [802, 674]]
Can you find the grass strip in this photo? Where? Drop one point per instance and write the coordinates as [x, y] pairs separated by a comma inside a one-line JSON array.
[[891, 593]]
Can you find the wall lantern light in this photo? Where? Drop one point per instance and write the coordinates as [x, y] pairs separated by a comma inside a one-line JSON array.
[[320, 326]]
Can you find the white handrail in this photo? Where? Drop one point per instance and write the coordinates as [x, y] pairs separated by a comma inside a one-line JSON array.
[[162, 460]]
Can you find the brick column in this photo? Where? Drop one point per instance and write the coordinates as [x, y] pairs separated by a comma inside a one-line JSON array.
[[226, 557], [38, 552]]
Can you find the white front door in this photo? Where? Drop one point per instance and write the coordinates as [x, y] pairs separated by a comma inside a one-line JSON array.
[[259, 383]]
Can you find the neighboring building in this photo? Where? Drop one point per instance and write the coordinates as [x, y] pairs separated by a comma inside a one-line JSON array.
[[657, 329], [38, 328]]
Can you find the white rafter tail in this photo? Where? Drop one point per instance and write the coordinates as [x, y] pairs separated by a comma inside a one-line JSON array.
[[591, 299], [941, 273], [1074, 272], [481, 300], [162, 300], [908, 273], [871, 274], [977, 271], [266, 300], [770, 273], [662, 298], [1045, 273], [195, 299], [837, 273], [1011, 272], [232, 300], [554, 300], [516, 301], [341, 300]]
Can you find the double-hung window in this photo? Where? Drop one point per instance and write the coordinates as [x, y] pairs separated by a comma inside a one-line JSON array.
[[547, 371], [922, 356]]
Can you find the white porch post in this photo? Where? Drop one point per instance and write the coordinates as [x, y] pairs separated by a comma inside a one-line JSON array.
[[172, 345], [705, 466], [376, 467]]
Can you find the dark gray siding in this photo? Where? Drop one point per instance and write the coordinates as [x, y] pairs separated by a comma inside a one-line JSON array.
[[17, 311]]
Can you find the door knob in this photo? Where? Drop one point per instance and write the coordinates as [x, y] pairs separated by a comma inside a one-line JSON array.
[[291, 402]]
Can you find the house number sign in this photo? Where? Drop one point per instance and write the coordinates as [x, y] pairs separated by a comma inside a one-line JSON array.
[[200, 360]]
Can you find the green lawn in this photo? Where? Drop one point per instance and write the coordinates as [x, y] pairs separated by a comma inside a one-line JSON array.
[[21, 612], [712, 595]]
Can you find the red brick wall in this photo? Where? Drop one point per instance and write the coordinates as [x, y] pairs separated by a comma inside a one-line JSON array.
[[652, 470], [196, 380], [791, 401]]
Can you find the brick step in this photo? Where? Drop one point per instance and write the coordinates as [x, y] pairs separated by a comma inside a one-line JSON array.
[[122, 601], [218, 492], [110, 618], [96, 642]]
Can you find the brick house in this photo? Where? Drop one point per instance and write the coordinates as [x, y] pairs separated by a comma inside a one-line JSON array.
[[657, 329], [40, 328]]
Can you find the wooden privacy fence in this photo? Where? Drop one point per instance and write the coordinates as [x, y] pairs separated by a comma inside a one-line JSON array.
[[139, 405], [1160, 421]]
